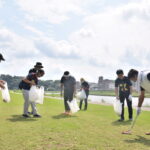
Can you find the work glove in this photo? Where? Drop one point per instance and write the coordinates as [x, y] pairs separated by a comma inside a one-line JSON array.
[[138, 111], [130, 97]]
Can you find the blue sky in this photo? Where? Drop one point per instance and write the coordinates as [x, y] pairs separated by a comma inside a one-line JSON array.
[[89, 38]]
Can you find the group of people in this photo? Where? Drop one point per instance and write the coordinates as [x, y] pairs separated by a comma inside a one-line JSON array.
[[68, 89], [123, 89]]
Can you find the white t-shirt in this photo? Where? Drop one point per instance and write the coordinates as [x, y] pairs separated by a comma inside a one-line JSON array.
[[143, 81]]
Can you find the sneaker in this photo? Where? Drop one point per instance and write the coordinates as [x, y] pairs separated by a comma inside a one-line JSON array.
[[130, 119], [37, 116], [120, 120], [26, 116]]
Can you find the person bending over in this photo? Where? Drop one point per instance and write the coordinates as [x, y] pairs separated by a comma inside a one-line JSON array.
[[31, 79], [143, 84]]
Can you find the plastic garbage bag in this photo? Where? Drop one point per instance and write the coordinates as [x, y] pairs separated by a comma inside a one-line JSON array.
[[81, 95], [118, 107], [5, 94], [36, 94], [33, 94], [73, 106], [40, 96]]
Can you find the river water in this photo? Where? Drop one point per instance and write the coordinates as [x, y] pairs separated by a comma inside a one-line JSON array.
[[110, 100]]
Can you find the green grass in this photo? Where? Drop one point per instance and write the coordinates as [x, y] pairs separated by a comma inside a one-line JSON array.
[[95, 129]]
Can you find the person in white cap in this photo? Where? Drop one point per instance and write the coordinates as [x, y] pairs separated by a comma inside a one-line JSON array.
[[143, 84]]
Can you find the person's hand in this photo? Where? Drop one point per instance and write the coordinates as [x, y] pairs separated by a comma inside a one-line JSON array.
[[2, 81], [32, 83], [138, 111], [2, 86], [130, 97]]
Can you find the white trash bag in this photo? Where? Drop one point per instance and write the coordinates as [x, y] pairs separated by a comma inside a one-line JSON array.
[[41, 95], [73, 106], [36, 94], [118, 107], [81, 95], [5, 93]]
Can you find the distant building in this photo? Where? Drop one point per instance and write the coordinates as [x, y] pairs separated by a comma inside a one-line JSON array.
[[105, 84]]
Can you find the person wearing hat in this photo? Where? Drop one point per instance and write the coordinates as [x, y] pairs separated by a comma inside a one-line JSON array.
[[37, 67], [1, 81], [68, 85], [123, 90], [31, 79], [142, 80], [84, 86]]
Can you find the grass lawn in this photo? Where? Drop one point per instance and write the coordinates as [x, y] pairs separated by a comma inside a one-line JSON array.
[[95, 129]]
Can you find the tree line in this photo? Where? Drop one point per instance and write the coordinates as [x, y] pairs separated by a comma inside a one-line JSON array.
[[13, 82]]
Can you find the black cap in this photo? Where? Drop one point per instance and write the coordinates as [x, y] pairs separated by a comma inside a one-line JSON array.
[[1, 57], [39, 64], [66, 73], [120, 71]]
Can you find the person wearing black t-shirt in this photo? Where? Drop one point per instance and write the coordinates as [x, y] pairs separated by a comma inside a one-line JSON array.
[[84, 86], [68, 86], [31, 79], [37, 67], [123, 90]]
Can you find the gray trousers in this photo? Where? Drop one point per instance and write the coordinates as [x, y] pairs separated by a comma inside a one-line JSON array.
[[68, 96], [27, 103]]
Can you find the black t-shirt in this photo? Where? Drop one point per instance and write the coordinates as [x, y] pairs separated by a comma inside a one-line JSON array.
[[85, 85], [30, 77], [68, 83], [33, 70], [123, 85]]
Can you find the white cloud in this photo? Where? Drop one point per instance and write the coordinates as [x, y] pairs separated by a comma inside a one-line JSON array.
[[54, 11], [16, 44], [116, 41]]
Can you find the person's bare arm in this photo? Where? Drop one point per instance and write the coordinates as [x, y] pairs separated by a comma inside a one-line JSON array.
[[2, 85], [117, 92], [141, 98], [131, 90], [2, 81], [75, 88], [29, 82]]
